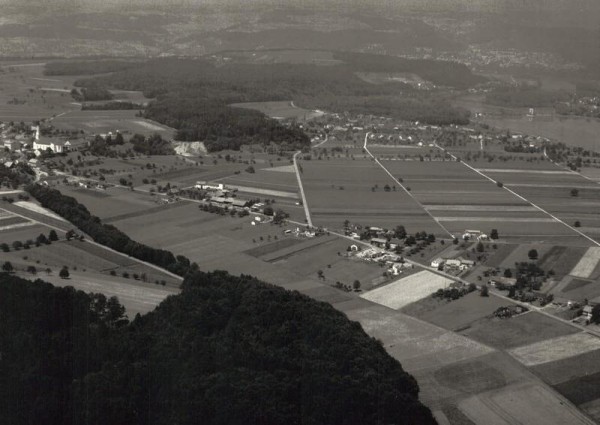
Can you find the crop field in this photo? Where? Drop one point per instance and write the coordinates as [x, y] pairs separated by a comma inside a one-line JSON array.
[[120, 201], [280, 110], [407, 290], [531, 403], [461, 199], [447, 384], [580, 289], [581, 390], [268, 178], [459, 314], [517, 331], [124, 121], [587, 264], [569, 368], [556, 349], [416, 344], [337, 190]]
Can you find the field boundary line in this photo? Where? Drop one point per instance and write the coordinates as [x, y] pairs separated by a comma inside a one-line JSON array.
[[595, 242], [403, 187]]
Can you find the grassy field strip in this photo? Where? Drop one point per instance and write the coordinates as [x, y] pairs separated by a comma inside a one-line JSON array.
[[586, 265], [16, 226], [561, 186], [282, 169], [407, 290], [521, 197], [495, 219], [555, 349], [402, 186], [522, 404], [490, 208], [38, 209], [266, 192], [515, 170]]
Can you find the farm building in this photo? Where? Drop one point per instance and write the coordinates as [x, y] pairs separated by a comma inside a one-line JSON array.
[[380, 242], [587, 312], [502, 281], [205, 186], [437, 262], [240, 203]]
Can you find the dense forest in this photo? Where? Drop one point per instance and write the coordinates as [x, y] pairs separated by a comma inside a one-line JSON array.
[[151, 145], [92, 67], [192, 95], [91, 93], [227, 350], [111, 106], [106, 234]]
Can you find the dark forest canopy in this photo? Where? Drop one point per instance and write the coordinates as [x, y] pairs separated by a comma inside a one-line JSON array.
[[92, 67], [228, 350], [192, 95]]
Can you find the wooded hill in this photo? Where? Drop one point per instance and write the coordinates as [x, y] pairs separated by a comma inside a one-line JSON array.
[[227, 350], [192, 95]]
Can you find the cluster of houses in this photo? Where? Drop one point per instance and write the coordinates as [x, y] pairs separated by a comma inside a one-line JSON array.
[[39, 145], [452, 264], [394, 263]]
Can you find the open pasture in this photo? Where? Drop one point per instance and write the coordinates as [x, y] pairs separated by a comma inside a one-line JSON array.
[[520, 330], [337, 190], [407, 290], [531, 403], [416, 344], [124, 121], [280, 110], [136, 296], [278, 181], [583, 389], [555, 349], [120, 201], [459, 314], [450, 383]]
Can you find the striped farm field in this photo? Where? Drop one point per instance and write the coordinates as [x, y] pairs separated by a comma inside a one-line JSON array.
[[407, 290], [587, 264], [555, 349]]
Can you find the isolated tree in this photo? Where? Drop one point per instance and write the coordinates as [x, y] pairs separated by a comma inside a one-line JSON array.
[[574, 192], [494, 234], [42, 239], [512, 292], [577, 224], [532, 254], [480, 247], [320, 274], [499, 184], [64, 272], [5, 247], [356, 284], [52, 235], [7, 267], [17, 245], [31, 270], [485, 292], [508, 273]]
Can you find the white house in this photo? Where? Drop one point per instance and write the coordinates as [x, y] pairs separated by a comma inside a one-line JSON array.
[[437, 262]]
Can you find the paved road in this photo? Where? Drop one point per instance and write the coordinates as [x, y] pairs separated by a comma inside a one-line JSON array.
[[302, 194]]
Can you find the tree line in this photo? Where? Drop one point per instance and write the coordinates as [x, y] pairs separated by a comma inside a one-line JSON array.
[[228, 350], [106, 234]]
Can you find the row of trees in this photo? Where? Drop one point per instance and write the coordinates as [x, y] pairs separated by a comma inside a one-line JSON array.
[[105, 234]]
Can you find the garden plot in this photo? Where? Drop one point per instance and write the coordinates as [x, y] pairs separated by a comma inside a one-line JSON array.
[[556, 349], [407, 290], [587, 264]]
